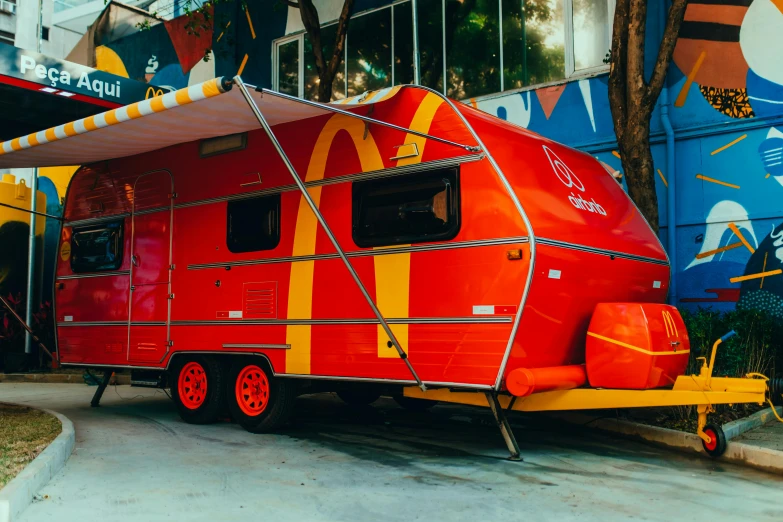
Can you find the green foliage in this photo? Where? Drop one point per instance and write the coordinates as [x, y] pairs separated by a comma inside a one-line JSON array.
[[757, 347]]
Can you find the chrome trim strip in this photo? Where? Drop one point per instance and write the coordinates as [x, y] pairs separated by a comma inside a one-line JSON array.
[[260, 346], [488, 319], [111, 323], [94, 274], [364, 253], [600, 251], [434, 384], [360, 176]]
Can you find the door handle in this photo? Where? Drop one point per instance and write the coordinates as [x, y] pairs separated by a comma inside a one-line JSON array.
[[135, 260]]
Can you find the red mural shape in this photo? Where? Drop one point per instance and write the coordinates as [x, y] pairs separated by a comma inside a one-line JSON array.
[[191, 37]]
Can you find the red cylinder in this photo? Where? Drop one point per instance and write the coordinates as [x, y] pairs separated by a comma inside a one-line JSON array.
[[523, 381]]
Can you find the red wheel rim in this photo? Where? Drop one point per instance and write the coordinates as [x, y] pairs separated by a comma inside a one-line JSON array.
[[192, 385], [252, 390], [713, 443]]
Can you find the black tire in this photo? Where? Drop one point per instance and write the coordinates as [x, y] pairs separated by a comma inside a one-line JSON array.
[[358, 397], [213, 401], [277, 396], [411, 404], [718, 446]]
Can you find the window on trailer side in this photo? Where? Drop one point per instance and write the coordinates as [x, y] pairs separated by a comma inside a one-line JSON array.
[[406, 209], [253, 224], [97, 248]]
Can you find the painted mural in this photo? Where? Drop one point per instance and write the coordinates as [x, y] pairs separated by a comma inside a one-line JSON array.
[[726, 91]]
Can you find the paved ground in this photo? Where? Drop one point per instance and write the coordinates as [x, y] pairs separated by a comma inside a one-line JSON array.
[[136, 460], [768, 436]]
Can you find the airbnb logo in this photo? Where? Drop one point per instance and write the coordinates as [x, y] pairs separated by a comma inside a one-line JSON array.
[[571, 180]]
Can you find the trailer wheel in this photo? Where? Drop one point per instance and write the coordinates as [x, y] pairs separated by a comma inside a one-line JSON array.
[[412, 404], [198, 389], [358, 397], [717, 446], [258, 401]]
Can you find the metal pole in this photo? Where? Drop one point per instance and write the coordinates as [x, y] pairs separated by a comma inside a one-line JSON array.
[[306, 195], [28, 338], [416, 57]]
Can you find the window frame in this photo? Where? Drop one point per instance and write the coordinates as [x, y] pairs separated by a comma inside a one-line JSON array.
[[78, 266], [360, 188], [277, 198], [570, 73]]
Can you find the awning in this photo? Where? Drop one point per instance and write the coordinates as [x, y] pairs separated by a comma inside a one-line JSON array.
[[201, 111]]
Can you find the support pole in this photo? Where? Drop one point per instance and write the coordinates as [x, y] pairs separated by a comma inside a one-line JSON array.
[[29, 304], [306, 195], [96, 399], [503, 424], [25, 326], [416, 56]]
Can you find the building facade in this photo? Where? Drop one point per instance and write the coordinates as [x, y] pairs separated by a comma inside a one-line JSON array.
[[717, 131]]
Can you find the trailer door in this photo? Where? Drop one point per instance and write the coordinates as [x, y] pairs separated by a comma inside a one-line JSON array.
[[151, 258]]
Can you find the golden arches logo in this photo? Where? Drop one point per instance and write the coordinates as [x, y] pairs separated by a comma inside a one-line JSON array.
[[668, 321], [152, 93]]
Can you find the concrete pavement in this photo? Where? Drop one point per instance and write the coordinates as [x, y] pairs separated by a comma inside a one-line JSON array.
[[136, 459]]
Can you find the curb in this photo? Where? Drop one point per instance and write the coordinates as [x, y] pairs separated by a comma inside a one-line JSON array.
[[736, 428], [737, 452], [56, 378], [19, 493]]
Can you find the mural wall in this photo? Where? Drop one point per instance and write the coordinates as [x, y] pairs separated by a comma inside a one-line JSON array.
[[726, 92]]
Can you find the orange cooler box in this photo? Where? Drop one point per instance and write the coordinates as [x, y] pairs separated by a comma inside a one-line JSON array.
[[635, 346]]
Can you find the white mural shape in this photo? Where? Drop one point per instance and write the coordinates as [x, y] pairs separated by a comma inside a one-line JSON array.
[[203, 71], [721, 214], [584, 87], [761, 39], [515, 108]]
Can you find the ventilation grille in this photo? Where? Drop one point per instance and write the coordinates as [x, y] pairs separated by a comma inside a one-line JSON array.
[[260, 300]]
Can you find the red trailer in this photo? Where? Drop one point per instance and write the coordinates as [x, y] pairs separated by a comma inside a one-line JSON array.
[[241, 246]]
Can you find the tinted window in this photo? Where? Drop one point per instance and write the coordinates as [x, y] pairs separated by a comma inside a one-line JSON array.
[[406, 209], [253, 224], [97, 248]]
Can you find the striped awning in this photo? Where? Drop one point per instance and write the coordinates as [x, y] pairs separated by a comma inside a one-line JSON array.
[[197, 112]]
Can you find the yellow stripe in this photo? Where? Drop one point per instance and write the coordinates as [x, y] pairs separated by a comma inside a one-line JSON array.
[[731, 143], [389, 94], [156, 104], [16, 144], [32, 139], [718, 250], [300, 287], [89, 123], [182, 97], [133, 111], [665, 183], [756, 276], [69, 129], [211, 87], [719, 182], [242, 65], [635, 348], [50, 135], [250, 23], [737, 233]]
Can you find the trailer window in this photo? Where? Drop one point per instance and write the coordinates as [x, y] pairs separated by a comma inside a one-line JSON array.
[[253, 224], [97, 248], [406, 209]]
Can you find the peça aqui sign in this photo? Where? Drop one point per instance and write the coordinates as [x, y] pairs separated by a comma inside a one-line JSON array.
[[69, 77]]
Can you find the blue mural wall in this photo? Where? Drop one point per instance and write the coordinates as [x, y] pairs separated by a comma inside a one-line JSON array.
[[725, 90]]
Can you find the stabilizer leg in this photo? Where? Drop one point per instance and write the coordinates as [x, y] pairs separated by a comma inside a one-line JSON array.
[[505, 427], [96, 399]]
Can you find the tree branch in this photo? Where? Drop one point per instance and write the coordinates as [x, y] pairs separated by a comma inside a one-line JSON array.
[[339, 39], [617, 69], [637, 23], [666, 50]]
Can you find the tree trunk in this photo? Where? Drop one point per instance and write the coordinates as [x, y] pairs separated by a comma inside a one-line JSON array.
[[638, 165]]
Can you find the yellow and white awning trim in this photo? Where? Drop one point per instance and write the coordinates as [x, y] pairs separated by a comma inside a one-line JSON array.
[[170, 100]]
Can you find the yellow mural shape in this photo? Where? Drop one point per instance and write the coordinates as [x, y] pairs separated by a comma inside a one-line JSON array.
[[109, 61]]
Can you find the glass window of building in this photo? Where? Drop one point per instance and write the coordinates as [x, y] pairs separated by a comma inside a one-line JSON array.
[[467, 48]]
